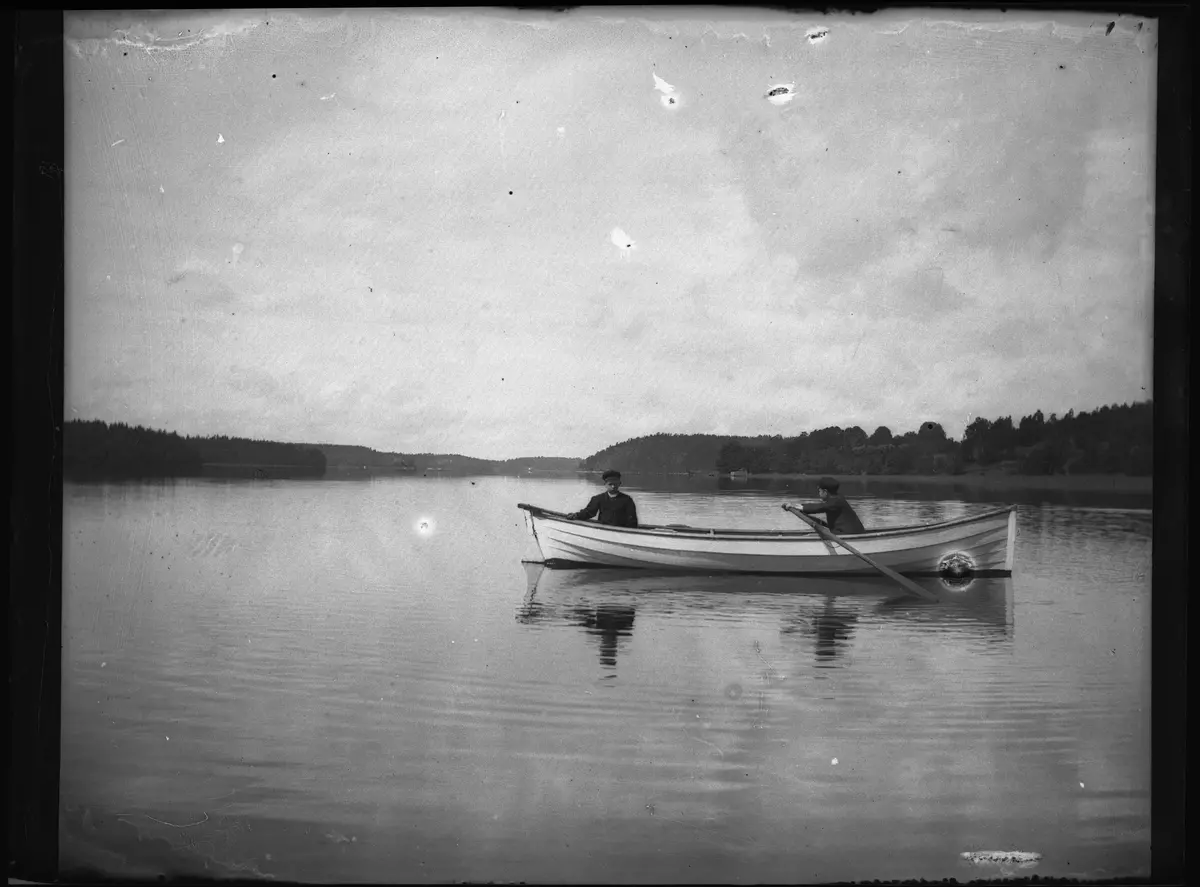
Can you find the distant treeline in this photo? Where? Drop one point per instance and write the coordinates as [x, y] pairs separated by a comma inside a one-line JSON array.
[[342, 456], [1109, 440], [95, 449], [99, 449], [452, 462]]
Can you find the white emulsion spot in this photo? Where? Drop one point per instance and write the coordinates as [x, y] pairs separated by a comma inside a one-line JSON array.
[[622, 241], [425, 526], [834, 762], [220, 139], [1021, 858], [668, 98], [781, 93], [237, 252]]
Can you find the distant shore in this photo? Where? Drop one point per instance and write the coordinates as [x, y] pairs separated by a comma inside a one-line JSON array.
[[1075, 482]]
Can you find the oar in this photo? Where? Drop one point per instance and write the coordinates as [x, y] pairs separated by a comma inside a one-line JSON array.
[[887, 571]]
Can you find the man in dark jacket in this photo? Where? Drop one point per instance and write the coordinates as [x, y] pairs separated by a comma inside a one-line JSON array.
[[839, 516], [614, 507]]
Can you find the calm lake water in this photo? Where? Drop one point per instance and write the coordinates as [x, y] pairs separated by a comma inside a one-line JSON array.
[[359, 680]]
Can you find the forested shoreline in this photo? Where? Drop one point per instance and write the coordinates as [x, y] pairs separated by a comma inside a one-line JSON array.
[[1109, 440], [96, 449]]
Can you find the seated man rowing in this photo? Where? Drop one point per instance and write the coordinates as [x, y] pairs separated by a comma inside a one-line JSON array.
[[840, 517]]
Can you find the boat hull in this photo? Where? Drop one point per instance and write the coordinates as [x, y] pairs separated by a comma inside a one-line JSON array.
[[984, 544]]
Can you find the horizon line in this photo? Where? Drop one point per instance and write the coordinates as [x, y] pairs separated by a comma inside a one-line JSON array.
[[575, 458]]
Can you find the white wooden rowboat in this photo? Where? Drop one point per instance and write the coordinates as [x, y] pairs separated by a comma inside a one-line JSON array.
[[983, 545]]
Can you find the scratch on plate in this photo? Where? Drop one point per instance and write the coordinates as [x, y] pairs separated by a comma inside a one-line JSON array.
[[171, 824], [500, 135], [145, 38], [711, 745], [117, 142]]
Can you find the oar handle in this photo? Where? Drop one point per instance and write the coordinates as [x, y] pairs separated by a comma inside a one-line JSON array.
[[811, 521]]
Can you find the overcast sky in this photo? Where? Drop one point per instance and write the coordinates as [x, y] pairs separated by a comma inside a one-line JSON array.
[[499, 236]]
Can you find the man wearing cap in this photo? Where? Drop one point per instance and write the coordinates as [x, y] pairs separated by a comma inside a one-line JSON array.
[[839, 516], [614, 507]]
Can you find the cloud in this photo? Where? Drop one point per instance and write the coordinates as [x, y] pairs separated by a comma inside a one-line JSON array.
[[197, 285], [922, 231], [1008, 178]]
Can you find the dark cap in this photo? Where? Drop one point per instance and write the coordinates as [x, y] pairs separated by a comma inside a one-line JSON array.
[[828, 483], [610, 473]]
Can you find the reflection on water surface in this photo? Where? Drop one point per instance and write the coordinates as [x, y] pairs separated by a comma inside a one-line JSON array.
[[287, 679]]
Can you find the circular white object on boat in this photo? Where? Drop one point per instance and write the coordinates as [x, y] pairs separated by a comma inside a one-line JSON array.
[[956, 565]]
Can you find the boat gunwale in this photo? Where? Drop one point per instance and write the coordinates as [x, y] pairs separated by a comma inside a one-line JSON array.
[[688, 532]]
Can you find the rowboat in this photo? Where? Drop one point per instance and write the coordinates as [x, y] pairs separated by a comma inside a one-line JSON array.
[[979, 545]]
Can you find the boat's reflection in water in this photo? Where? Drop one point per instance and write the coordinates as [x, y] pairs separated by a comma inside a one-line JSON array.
[[607, 624], [823, 611], [831, 629]]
